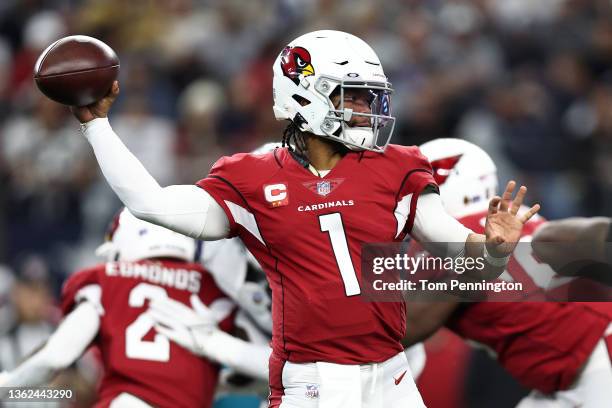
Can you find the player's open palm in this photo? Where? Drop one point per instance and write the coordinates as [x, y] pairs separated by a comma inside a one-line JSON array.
[[504, 225], [98, 109]]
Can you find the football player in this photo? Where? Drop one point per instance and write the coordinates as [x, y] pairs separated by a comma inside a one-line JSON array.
[[560, 350], [304, 212], [110, 306]]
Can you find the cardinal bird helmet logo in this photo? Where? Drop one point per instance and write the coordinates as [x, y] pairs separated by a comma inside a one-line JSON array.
[[442, 168], [295, 61]]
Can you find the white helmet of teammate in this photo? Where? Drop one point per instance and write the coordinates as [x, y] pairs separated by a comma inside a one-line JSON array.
[[317, 64], [131, 239], [465, 173], [267, 148]]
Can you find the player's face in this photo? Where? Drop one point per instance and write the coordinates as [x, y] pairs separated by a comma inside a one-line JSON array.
[[359, 100]]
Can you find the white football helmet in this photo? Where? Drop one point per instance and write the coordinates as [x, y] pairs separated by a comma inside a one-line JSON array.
[[465, 173], [131, 239], [312, 67], [267, 148]]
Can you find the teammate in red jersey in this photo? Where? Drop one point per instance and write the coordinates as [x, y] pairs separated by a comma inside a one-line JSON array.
[[108, 306], [557, 349], [305, 210]]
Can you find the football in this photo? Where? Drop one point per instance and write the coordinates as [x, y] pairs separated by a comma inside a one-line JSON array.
[[77, 70]]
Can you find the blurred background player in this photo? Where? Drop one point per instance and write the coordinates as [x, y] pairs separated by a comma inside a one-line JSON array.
[[28, 312], [28, 316], [108, 306], [557, 349]]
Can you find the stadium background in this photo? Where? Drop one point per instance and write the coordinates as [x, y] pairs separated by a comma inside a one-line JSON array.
[[529, 81]]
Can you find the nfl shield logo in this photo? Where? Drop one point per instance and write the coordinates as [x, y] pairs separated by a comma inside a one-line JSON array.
[[323, 188], [312, 391]]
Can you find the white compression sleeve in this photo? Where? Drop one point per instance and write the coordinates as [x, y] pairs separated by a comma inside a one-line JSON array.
[[243, 356], [64, 347], [187, 209], [438, 232]]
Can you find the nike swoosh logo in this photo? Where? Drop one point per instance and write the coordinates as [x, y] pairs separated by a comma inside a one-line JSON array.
[[400, 378]]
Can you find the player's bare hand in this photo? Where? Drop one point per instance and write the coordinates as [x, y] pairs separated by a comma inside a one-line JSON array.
[[98, 109], [504, 225]]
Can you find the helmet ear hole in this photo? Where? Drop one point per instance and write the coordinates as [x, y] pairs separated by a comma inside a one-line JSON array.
[[301, 100]]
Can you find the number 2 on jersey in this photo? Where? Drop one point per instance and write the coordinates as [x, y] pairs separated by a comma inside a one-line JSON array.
[[135, 347], [332, 224]]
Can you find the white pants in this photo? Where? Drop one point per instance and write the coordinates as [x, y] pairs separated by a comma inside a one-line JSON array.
[[125, 400], [324, 385], [592, 389]]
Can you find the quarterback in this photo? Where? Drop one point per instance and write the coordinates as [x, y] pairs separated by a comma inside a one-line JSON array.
[[330, 348]]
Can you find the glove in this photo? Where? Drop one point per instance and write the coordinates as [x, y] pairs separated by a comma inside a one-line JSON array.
[[254, 299], [192, 328]]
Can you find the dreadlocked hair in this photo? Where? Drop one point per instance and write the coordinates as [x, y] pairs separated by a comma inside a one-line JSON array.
[[293, 139]]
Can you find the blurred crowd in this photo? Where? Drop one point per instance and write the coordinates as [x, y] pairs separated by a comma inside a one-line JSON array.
[[529, 81]]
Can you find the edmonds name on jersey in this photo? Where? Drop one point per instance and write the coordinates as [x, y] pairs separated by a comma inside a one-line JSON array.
[[307, 232]]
